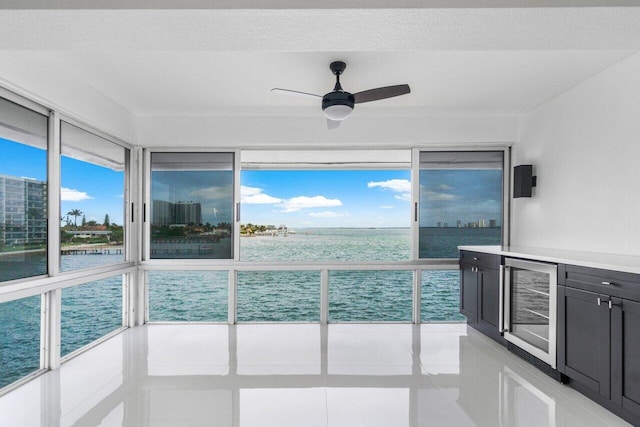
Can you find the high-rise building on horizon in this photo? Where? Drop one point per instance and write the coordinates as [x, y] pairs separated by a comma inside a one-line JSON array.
[[180, 213], [23, 211]]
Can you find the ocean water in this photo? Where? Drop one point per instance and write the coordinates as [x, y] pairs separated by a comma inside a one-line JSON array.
[[91, 310]]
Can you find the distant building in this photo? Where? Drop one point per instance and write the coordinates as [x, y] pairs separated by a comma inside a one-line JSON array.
[[86, 234], [181, 213], [493, 223], [23, 211]]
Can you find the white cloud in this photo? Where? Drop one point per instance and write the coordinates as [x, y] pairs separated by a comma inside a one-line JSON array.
[[255, 196], [386, 207], [444, 187], [303, 202], [402, 186], [405, 197], [73, 195], [326, 214], [432, 195], [212, 193], [397, 185]]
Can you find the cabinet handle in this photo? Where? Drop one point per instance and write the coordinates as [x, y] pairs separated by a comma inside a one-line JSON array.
[[475, 258], [608, 283], [599, 301]]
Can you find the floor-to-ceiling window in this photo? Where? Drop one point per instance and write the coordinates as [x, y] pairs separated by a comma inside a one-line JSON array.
[[63, 192], [323, 235]]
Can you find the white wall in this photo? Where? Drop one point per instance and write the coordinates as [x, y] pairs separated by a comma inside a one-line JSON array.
[[585, 148]]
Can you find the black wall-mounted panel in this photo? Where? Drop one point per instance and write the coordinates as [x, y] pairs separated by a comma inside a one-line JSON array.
[[522, 181]]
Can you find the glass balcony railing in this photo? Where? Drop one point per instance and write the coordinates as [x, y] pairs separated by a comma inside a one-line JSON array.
[[188, 296], [278, 296], [370, 296], [89, 312], [19, 338]]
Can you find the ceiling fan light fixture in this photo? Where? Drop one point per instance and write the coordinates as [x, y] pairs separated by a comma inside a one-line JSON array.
[[338, 112], [338, 105]]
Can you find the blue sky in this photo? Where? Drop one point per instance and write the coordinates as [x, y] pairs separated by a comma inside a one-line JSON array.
[[95, 190], [327, 198], [298, 199]]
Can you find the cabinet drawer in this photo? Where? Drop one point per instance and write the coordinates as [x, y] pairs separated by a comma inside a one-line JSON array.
[[614, 283], [480, 259]]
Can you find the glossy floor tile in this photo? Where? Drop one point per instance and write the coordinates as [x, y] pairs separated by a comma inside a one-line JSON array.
[[299, 375]]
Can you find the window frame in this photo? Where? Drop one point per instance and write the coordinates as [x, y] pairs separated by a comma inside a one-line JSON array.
[[49, 146], [147, 203], [415, 193], [128, 184]]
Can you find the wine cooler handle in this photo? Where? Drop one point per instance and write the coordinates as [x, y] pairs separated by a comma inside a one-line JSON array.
[[505, 299], [501, 301]]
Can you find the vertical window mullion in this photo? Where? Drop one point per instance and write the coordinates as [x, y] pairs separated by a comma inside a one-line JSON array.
[[53, 192]]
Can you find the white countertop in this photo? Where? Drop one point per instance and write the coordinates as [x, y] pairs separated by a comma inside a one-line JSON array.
[[616, 262]]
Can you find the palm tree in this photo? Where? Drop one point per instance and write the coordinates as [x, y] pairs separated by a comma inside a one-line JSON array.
[[75, 213]]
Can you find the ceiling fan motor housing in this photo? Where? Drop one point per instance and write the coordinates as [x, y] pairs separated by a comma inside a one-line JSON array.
[[338, 105]]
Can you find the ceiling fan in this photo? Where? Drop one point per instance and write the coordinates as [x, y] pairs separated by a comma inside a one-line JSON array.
[[338, 104]]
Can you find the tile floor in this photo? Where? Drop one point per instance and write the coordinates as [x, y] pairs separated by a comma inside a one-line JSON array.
[[299, 375]]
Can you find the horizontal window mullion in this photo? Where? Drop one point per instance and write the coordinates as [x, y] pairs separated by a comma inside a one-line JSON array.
[[38, 286]]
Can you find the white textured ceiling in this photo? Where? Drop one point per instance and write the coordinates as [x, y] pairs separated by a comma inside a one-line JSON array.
[[224, 61]]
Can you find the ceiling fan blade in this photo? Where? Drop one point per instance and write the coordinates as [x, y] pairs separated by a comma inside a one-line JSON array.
[[381, 93], [332, 124], [294, 92]]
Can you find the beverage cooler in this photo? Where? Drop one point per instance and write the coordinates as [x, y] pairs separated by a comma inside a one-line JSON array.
[[528, 307]]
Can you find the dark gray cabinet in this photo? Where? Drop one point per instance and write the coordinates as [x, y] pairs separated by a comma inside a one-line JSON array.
[[480, 292], [599, 336]]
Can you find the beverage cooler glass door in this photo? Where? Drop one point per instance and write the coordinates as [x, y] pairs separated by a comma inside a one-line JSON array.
[[530, 307]]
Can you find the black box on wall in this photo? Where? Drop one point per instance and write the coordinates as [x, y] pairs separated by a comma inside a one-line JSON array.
[[523, 181]]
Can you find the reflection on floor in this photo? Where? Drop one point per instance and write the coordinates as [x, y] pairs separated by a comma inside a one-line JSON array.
[[299, 375]]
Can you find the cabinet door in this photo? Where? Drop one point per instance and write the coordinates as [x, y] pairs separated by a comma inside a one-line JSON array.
[[469, 292], [625, 351], [584, 338], [489, 311]]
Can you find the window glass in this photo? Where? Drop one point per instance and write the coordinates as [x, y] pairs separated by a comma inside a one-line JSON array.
[[325, 215], [441, 296], [19, 339], [90, 311], [460, 201], [370, 296], [188, 296], [23, 192], [92, 197], [192, 205], [278, 296]]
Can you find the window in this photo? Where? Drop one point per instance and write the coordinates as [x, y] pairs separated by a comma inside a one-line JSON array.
[[325, 215], [278, 296], [20, 338], [23, 192], [188, 296], [370, 296], [460, 201], [92, 197], [192, 205], [440, 296], [90, 311]]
